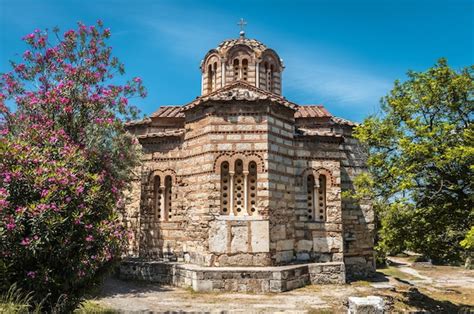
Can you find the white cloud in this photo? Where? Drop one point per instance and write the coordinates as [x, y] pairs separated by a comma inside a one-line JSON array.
[[315, 80]]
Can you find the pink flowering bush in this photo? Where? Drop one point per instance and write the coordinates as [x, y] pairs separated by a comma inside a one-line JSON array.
[[65, 159]]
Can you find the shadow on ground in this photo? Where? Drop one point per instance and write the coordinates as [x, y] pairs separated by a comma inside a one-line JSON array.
[[415, 298], [114, 287]]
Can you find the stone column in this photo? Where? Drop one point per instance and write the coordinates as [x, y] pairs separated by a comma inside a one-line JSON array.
[[246, 210], [164, 215], [231, 194]]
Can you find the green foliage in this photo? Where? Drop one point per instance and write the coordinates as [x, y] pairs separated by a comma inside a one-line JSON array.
[[420, 163], [468, 242], [65, 160]]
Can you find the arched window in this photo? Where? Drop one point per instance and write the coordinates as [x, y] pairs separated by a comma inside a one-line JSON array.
[[270, 78], [252, 188], [236, 69], [239, 197], [214, 83], [265, 76], [320, 214], [162, 197], [157, 198], [316, 198], [210, 78], [245, 66], [310, 196], [168, 197], [225, 190]]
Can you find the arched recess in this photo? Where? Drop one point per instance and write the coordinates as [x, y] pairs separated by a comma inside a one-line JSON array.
[[211, 72], [238, 183], [162, 183], [318, 182]]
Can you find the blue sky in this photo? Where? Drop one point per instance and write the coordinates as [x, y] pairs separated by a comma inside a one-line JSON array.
[[342, 54]]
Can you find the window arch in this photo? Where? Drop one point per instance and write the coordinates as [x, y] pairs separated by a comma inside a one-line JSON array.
[[236, 65], [168, 197], [310, 196], [316, 195], [238, 190], [252, 188], [270, 78], [210, 78], [157, 197], [320, 214], [225, 190], [162, 196], [245, 67]]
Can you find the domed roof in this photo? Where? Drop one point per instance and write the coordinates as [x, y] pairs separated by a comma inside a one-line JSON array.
[[254, 44]]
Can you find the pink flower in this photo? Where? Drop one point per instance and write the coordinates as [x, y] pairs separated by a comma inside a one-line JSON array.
[[137, 80], [26, 241], [44, 193], [31, 274], [89, 238], [11, 225]]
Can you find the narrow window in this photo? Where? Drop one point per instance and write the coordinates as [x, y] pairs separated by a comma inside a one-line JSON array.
[[239, 188], [225, 191], [310, 196], [320, 214], [210, 79], [236, 69], [167, 197], [252, 188], [265, 76], [214, 75], [245, 66], [270, 79], [157, 198]]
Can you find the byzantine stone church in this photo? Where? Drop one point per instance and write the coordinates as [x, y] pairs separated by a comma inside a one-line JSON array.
[[241, 176]]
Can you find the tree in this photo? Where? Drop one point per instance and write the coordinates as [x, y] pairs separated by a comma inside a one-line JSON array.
[[420, 163], [65, 159]]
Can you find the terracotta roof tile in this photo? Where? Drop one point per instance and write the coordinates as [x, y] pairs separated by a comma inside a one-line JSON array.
[[167, 133], [317, 132], [240, 90], [168, 112], [342, 121], [312, 111]]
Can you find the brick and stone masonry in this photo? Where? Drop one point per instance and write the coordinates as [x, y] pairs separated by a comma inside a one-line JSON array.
[[240, 183]]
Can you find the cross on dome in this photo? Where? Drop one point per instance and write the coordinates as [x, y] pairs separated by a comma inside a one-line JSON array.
[[242, 23]]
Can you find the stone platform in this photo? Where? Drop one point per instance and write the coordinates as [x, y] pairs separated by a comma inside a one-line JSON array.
[[238, 279]]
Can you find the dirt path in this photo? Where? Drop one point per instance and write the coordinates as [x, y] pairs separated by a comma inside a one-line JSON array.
[[438, 289]]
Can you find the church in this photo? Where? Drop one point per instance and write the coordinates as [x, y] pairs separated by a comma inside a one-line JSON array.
[[243, 181]]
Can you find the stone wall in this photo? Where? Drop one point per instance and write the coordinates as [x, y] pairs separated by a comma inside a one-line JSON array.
[[239, 279]]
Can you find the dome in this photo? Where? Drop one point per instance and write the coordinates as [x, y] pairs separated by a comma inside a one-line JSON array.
[[241, 59]]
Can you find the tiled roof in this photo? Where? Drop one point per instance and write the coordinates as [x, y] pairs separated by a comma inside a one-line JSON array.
[[168, 112], [316, 132], [342, 121], [312, 111], [240, 90], [252, 43], [138, 122], [167, 133]]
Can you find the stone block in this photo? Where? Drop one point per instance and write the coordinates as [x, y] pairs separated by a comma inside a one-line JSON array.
[[285, 245], [278, 232], [260, 238], [202, 285], [239, 242], [366, 305], [304, 245], [327, 244], [218, 237]]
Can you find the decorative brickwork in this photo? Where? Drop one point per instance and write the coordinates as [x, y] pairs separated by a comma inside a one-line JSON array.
[[242, 177]]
